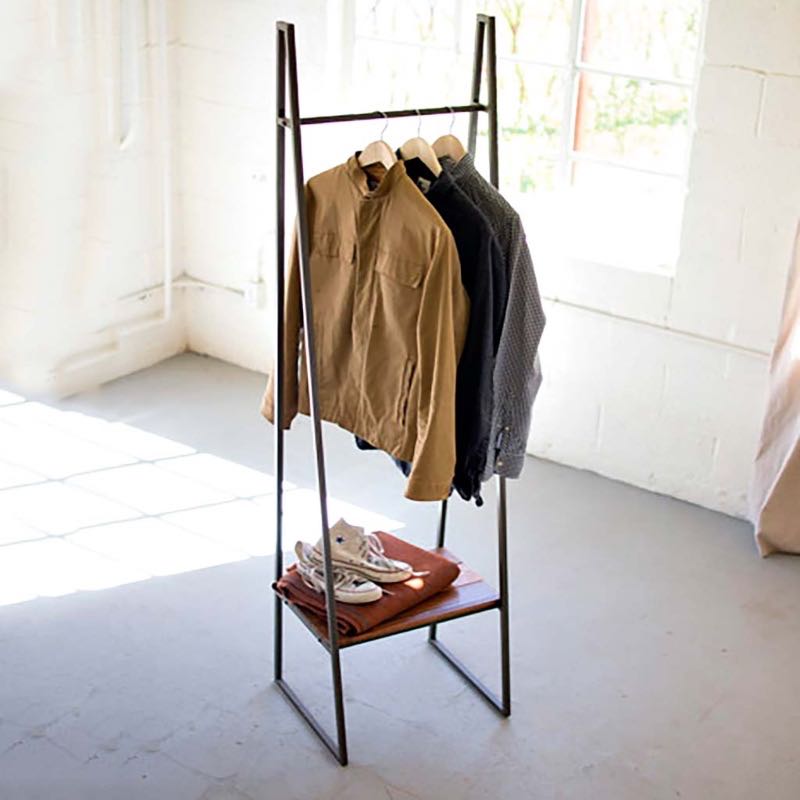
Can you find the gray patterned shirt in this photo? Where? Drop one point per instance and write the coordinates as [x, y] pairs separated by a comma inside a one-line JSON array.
[[517, 371]]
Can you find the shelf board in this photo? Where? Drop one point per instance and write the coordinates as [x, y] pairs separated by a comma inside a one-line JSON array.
[[468, 594]]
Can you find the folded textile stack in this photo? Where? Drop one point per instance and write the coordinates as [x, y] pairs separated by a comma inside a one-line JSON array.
[[376, 577]]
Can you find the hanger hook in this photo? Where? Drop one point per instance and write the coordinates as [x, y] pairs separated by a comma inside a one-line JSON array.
[[452, 119], [419, 121], [385, 124]]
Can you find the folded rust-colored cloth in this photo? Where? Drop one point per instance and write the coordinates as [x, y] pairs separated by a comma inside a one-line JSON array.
[[433, 573]]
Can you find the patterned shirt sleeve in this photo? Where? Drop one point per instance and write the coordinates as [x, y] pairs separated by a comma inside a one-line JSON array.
[[517, 372]]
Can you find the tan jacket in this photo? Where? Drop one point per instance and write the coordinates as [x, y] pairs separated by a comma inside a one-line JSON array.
[[390, 315]]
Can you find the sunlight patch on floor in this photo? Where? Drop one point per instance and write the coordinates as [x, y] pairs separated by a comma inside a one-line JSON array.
[[88, 504]]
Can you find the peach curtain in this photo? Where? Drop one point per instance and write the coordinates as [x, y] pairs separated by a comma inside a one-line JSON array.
[[775, 490]]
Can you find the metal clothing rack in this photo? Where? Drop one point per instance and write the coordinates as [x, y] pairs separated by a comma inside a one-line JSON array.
[[455, 602]]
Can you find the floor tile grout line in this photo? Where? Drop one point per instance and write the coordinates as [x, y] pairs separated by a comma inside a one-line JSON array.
[[139, 516], [136, 462]]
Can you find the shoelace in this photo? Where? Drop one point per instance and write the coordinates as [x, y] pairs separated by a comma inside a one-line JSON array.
[[314, 577], [370, 548]]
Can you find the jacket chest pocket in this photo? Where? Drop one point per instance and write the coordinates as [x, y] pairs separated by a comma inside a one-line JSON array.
[[331, 263], [397, 299], [331, 246], [401, 271]]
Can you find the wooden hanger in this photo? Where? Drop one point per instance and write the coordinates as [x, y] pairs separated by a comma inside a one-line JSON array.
[[449, 145], [419, 148], [378, 152]]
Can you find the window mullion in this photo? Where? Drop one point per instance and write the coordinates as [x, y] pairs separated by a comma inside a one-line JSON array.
[[459, 16], [582, 66], [577, 155], [340, 64], [698, 66], [571, 93], [533, 62]]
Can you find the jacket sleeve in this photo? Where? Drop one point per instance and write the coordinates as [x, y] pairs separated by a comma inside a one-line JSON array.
[[474, 386], [517, 372], [441, 326], [499, 294], [292, 334]]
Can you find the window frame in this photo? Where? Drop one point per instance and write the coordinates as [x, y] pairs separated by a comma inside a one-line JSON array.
[[571, 69]]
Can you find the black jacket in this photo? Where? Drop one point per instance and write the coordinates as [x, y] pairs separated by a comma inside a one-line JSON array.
[[484, 279]]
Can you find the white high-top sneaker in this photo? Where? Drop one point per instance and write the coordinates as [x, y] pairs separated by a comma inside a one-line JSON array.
[[347, 586], [361, 553]]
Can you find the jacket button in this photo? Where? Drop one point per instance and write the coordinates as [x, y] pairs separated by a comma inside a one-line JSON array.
[[499, 462]]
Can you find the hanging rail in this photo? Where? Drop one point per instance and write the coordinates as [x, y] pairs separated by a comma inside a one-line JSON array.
[[407, 112]]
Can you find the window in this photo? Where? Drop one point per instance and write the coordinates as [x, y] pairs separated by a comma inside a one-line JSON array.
[[595, 108]]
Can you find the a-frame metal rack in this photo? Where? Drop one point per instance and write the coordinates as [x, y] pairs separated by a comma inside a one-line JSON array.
[[457, 602]]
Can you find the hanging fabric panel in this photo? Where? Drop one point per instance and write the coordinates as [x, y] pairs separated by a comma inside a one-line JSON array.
[[775, 492]]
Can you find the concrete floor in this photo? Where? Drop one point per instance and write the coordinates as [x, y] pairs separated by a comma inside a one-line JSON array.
[[654, 654]]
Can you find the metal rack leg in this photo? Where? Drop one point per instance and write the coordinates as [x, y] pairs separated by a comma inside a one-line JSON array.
[[439, 543], [333, 746], [502, 569], [502, 704], [287, 58], [475, 91], [485, 36], [280, 152], [491, 79]]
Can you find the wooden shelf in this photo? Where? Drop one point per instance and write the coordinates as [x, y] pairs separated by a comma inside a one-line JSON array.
[[468, 594]]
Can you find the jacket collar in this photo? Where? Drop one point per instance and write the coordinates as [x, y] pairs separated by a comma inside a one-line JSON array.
[[459, 169], [438, 186], [359, 178], [443, 186]]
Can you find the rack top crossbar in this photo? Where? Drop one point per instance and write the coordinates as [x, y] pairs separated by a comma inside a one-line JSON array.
[[407, 112]]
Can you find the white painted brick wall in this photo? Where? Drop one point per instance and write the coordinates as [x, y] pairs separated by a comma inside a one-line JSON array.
[[654, 379], [618, 291], [729, 100], [661, 410], [756, 34], [227, 144], [82, 225], [241, 81], [247, 342], [780, 118]]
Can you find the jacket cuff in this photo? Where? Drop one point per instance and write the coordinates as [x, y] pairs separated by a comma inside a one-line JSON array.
[[417, 489], [509, 465]]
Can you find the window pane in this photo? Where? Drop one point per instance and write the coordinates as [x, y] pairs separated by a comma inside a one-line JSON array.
[[626, 218], [431, 22], [650, 37], [530, 177], [531, 104], [405, 76], [536, 31], [634, 121], [536, 175]]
